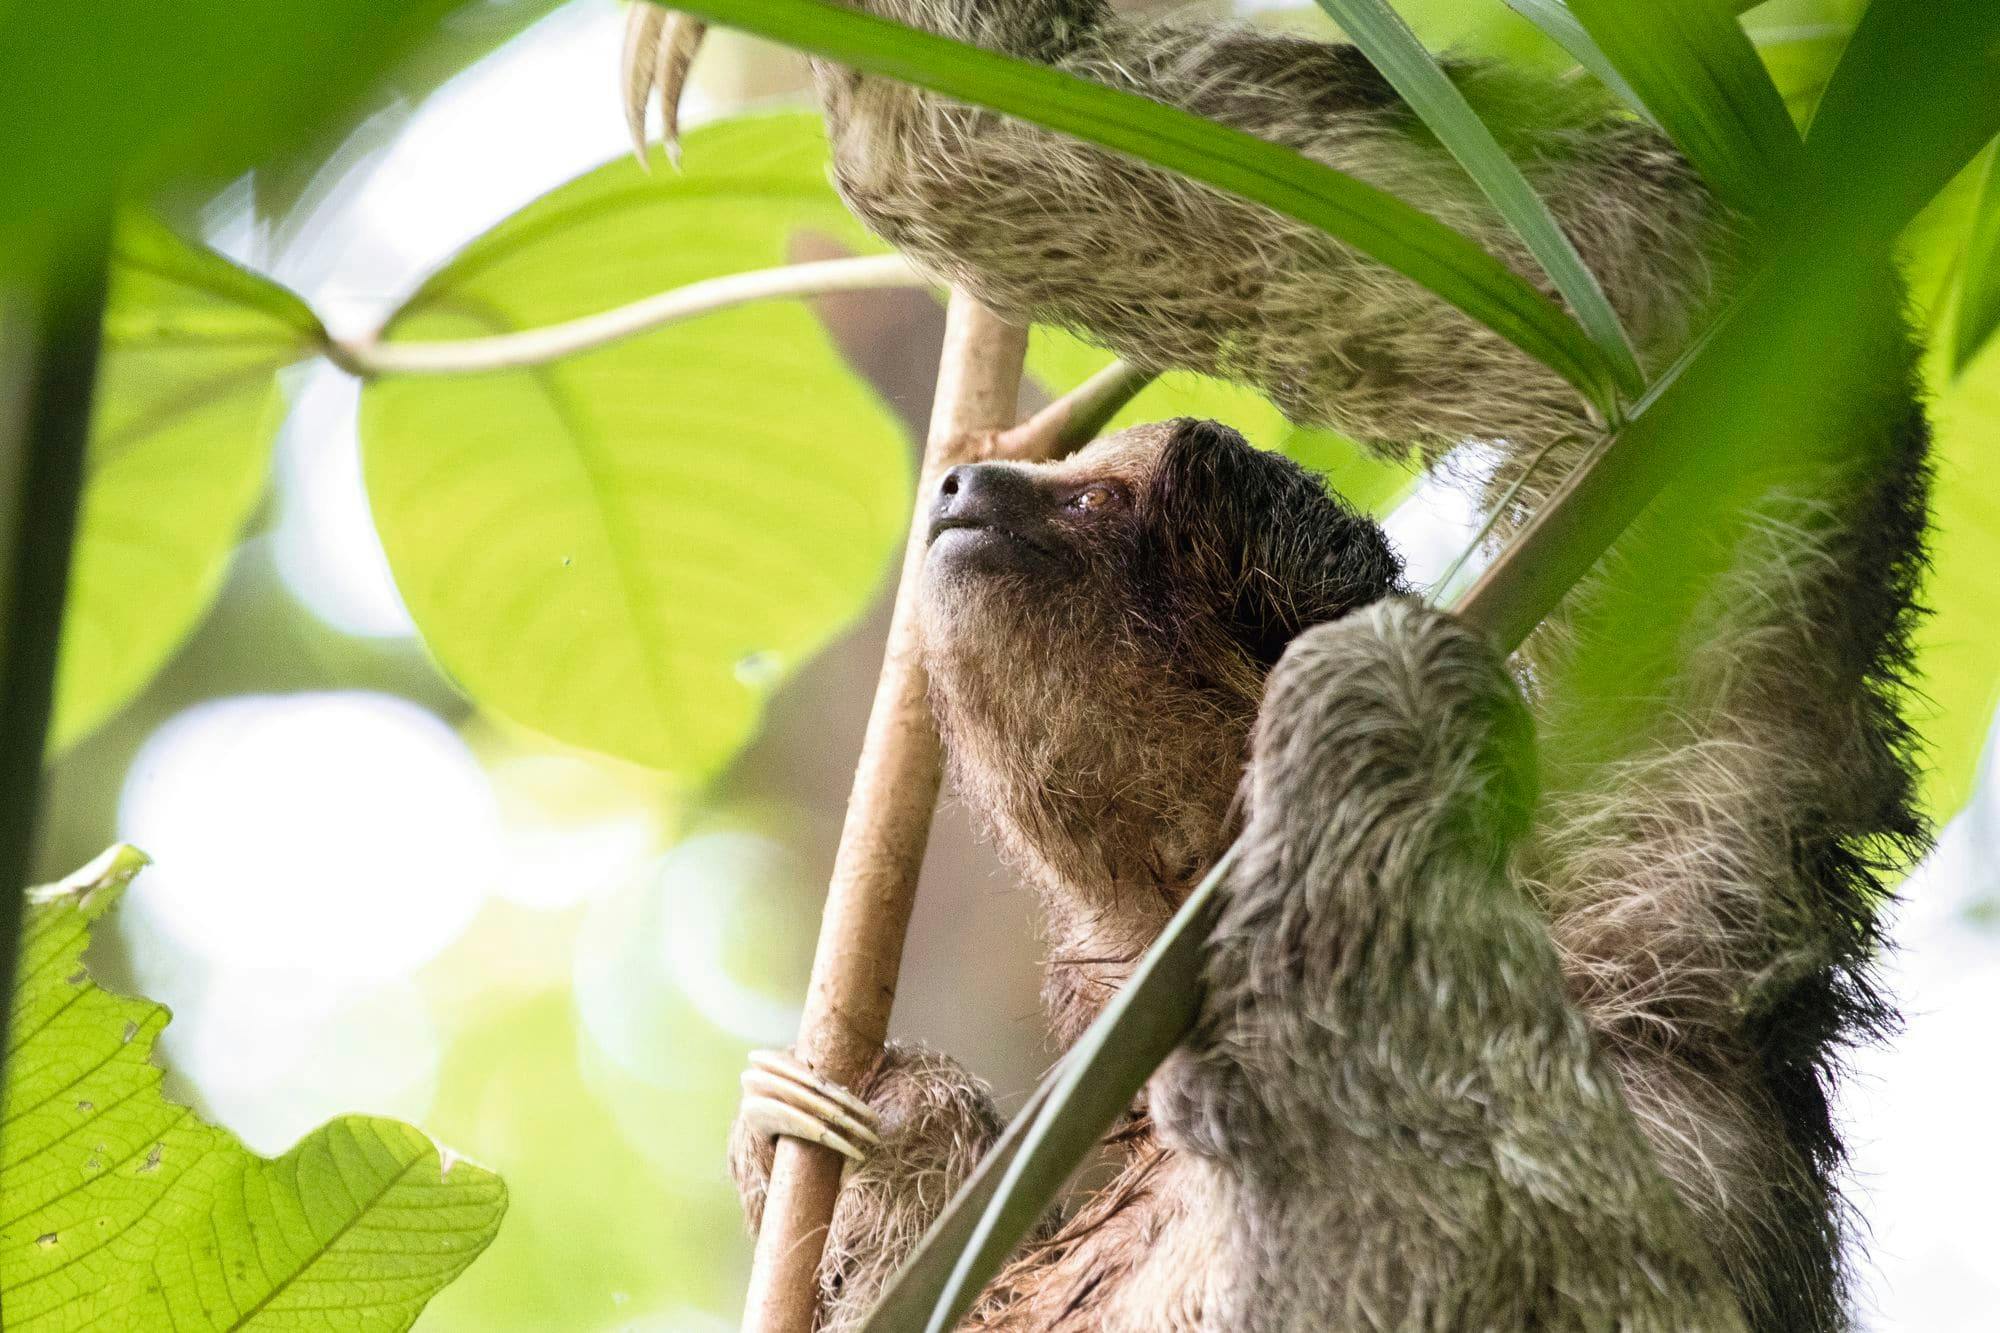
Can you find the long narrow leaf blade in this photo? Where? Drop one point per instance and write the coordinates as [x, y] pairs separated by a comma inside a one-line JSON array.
[[1560, 26], [1378, 224], [908, 1300], [1394, 49], [1094, 1085], [1979, 289], [1695, 69]]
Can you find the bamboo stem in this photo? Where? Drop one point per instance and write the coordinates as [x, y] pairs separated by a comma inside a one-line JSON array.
[[882, 843]]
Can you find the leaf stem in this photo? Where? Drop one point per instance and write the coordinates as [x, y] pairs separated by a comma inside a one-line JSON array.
[[48, 366], [371, 356]]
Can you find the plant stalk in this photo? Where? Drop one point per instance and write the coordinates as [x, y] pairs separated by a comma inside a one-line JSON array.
[[873, 886], [48, 373]]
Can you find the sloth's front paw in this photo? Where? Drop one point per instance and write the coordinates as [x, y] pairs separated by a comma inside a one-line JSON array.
[[782, 1096]]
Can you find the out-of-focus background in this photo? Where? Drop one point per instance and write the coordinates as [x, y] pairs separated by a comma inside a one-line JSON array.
[[584, 950]]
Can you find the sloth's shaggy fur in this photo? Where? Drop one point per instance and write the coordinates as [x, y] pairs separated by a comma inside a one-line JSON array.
[[1461, 1065]]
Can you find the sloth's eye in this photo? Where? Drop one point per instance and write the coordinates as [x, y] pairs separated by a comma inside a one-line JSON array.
[[1094, 499]]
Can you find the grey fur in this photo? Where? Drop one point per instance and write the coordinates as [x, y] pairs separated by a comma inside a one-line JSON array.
[[1460, 1067]]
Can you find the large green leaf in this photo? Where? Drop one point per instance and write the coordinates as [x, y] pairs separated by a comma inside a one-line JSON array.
[[120, 1210], [1958, 674], [1694, 68], [1394, 49], [1379, 225], [187, 408], [628, 550], [1366, 481]]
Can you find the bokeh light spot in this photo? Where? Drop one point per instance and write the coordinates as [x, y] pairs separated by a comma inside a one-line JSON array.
[[343, 834]]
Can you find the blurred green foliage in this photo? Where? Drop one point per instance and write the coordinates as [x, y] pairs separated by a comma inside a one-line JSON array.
[[594, 1232], [125, 1210], [630, 549], [1979, 292], [128, 97]]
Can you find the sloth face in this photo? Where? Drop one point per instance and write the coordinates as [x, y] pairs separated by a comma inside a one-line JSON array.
[[1178, 544]]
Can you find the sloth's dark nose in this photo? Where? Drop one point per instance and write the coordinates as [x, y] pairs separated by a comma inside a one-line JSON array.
[[984, 495]]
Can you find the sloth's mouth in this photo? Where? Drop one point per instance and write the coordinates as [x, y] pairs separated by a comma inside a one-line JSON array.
[[985, 541]]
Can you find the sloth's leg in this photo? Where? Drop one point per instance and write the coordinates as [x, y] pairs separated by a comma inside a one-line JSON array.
[[930, 1122], [1408, 1124]]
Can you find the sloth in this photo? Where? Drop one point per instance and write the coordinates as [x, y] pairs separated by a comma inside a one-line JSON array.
[[1510, 1019]]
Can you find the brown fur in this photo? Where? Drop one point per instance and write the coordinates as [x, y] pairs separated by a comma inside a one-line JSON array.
[[1700, 876]]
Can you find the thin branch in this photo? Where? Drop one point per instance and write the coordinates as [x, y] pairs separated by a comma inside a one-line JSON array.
[[882, 842], [1497, 511], [371, 356], [48, 374], [1079, 416]]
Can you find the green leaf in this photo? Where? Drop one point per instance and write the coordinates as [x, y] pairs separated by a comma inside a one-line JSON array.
[[1554, 18], [1800, 64], [1915, 97], [187, 409], [1394, 50], [628, 550], [1798, 46], [1401, 237], [1365, 480], [1979, 288], [1957, 678], [1694, 69], [121, 1210]]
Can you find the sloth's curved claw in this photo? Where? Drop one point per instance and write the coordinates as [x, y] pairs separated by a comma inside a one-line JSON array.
[[783, 1097], [678, 48], [639, 62], [659, 50]]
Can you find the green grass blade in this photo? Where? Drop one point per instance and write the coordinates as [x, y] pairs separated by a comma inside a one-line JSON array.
[[1695, 69], [1979, 287], [1379, 225], [1394, 49], [1560, 26]]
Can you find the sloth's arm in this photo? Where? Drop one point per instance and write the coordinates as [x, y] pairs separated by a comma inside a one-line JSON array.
[[1175, 275], [1385, 1046], [935, 1122]]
